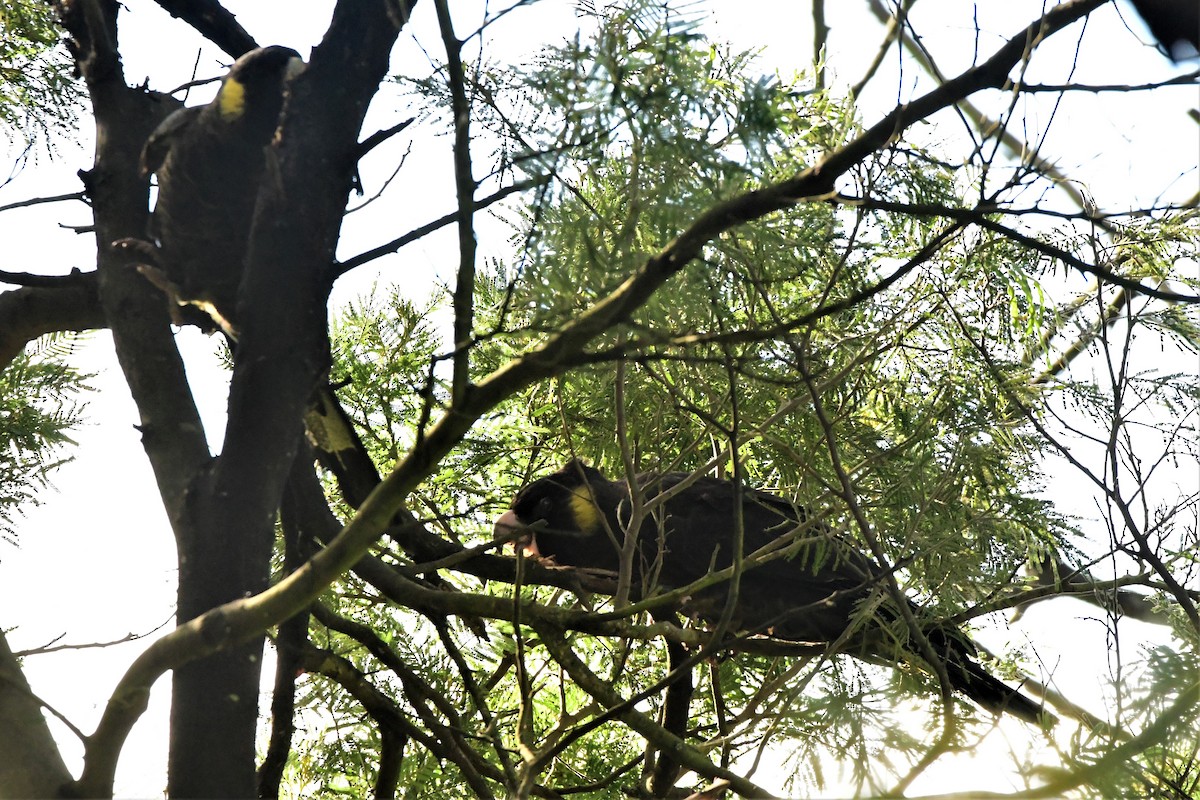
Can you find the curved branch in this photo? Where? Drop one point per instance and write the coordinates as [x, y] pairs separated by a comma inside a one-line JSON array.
[[451, 736], [654, 733], [32, 311], [214, 22], [980, 217], [1056, 578]]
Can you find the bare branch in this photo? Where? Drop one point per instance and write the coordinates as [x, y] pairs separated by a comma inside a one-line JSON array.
[[379, 137], [981, 121], [981, 216], [214, 22], [75, 278], [58, 198], [25, 314], [464, 292], [54, 648], [894, 25], [388, 248], [1180, 80], [820, 41]]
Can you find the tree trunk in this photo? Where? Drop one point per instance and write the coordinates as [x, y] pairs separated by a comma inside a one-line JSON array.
[[214, 706], [30, 764]]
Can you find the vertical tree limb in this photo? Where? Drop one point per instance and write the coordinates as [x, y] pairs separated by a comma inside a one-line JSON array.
[[464, 292]]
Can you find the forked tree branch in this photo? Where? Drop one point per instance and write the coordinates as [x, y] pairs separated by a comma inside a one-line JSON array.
[[664, 740]]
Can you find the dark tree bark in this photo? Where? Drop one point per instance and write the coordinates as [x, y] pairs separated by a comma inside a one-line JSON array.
[[281, 358], [223, 510], [29, 312], [30, 764], [298, 543], [676, 714]]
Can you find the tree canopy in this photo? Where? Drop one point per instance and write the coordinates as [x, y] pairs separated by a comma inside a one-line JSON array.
[[897, 276]]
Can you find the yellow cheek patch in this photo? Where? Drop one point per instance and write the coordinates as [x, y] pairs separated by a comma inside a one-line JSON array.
[[583, 509], [231, 100]]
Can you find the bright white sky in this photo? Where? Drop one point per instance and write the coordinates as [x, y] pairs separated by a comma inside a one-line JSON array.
[[96, 562]]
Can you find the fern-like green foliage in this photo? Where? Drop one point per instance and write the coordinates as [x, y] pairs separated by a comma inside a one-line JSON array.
[[39, 406], [39, 96]]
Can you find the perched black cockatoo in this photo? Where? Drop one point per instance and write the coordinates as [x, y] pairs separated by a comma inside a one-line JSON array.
[[814, 592], [209, 160], [1174, 23]]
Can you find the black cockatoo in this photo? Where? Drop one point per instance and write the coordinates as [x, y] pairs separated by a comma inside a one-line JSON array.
[[1175, 23], [813, 593], [209, 160]]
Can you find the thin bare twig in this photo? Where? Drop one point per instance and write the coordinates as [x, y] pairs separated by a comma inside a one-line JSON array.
[[54, 648], [464, 181], [37, 201], [341, 268], [379, 137]]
